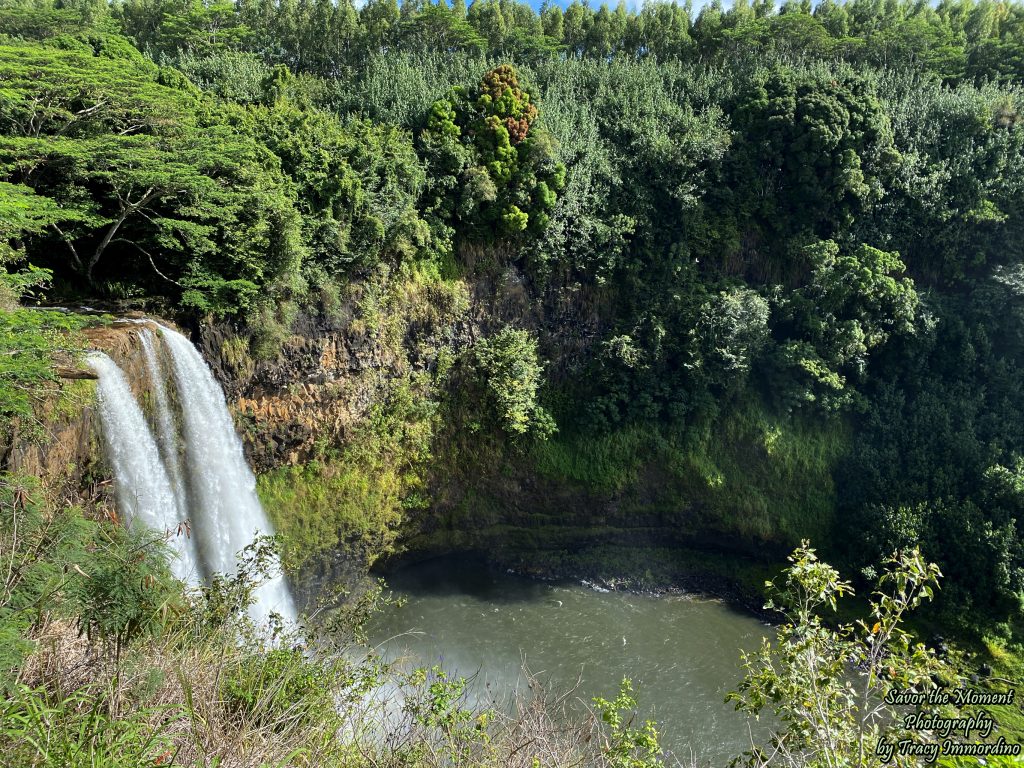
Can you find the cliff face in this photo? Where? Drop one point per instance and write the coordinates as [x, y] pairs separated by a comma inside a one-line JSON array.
[[331, 420], [321, 399], [352, 420], [332, 417], [325, 375], [318, 386], [62, 445]]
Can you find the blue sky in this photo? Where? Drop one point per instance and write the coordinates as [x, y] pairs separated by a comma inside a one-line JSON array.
[[535, 4], [632, 4]]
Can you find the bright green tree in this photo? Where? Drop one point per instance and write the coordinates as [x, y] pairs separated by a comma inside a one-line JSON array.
[[826, 685], [511, 373], [485, 143]]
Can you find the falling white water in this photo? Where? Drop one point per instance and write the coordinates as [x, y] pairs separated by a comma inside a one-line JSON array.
[[226, 511], [144, 491], [167, 433]]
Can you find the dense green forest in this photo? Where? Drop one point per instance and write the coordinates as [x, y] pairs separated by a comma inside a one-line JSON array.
[[748, 237], [814, 214]]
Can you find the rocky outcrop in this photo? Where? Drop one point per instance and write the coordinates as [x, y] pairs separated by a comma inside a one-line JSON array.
[[61, 445], [322, 379], [315, 388], [325, 376]]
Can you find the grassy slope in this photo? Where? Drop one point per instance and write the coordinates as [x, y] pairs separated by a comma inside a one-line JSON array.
[[748, 473]]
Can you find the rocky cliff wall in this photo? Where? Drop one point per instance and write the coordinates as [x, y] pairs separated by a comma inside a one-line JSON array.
[[62, 445], [348, 419], [325, 374]]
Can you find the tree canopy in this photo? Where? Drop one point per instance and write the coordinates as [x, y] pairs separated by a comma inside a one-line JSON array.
[[818, 210]]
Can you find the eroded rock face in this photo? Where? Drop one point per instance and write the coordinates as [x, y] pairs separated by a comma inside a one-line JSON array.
[[63, 451], [315, 389], [281, 406], [62, 447], [322, 382], [325, 377]]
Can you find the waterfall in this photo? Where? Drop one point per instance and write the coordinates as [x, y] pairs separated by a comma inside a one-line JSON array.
[[167, 433], [144, 491], [213, 485], [226, 510]]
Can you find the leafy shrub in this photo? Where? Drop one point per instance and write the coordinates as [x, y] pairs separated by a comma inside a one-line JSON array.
[[485, 142], [827, 686], [127, 591], [44, 554], [510, 370], [626, 745]]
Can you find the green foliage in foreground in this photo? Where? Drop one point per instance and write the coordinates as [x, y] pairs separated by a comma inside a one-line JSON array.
[[40, 729], [266, 688], [200, 684], [628, 746], [203, 687], [827, 686]]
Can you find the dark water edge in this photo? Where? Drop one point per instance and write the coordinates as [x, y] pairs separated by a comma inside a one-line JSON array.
[[724, 574]]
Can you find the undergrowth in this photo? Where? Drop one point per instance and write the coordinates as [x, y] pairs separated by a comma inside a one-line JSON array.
[[746, 472], [121, 668]]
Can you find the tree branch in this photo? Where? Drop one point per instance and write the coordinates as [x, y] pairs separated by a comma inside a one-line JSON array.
[[127, 209], [67, 241], [151, 262], [79, 115], [125, 212]]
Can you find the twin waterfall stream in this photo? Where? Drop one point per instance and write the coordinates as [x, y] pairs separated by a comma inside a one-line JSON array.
[[184, 474]]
